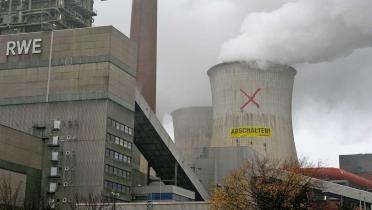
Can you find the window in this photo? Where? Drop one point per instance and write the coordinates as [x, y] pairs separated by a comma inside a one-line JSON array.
[[52, 187], [55, 140], [121, 157], [53, 171], [119, 141], [116, 186], [117, 171], [56, 124], [118, 156], [121, 127], [126, 129], [55, 156]]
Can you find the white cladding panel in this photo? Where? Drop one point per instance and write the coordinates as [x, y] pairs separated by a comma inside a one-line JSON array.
[[245, 95]]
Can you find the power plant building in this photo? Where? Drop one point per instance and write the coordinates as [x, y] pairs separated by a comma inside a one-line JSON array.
[[252, 107], [250, 118], [78, 111], [76, 90], [192, 131], [20, 165]]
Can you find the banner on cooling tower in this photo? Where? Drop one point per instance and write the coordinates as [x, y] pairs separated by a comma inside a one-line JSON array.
[[250, 132]]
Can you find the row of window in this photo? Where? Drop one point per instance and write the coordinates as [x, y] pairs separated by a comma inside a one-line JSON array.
[[121, 127], [117, 187], [118, 156], [119, 141], [117, 171]]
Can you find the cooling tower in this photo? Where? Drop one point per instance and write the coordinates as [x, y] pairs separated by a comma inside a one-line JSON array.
[[252, 107], [192, 131]]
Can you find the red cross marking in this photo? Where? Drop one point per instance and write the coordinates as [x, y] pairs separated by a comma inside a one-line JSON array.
[[251, 99]]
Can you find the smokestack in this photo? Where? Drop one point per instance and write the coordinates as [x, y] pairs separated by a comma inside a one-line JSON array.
[[252, 107], [192, 131], [144, 32]]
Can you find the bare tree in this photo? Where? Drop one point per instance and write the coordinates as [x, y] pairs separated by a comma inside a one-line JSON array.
[[91, 201], [9, 195], [263, 185]]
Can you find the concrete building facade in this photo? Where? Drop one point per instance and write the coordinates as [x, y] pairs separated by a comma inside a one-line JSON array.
[[21, 164], [76, 90]]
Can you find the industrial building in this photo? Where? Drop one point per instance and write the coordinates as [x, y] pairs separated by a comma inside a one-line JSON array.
[[251, 118], [77, 93], [20, 164], [78, 112], [360, 164], [20, 16]]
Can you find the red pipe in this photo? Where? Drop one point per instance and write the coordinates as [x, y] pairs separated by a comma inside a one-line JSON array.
[[337, 174]]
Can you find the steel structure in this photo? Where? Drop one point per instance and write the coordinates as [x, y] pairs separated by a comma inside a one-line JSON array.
[[18, 16], [157, 147], [256, 103]]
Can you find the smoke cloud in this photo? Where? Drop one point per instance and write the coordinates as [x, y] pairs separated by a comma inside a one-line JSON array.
[[306, 31]]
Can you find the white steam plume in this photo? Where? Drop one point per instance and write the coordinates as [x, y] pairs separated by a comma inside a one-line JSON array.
[[306, 31]]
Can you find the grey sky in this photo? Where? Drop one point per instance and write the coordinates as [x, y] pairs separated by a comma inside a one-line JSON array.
[[332, 103]]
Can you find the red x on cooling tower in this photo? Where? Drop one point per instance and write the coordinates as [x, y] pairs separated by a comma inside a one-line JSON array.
[[251, 99]]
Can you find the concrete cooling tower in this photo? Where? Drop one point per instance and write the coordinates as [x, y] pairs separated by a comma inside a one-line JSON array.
[[252, 107], [192, 131]]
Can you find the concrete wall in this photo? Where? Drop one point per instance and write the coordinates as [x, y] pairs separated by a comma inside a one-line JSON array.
[[81, 64], [192, 131], [20, 148], [216, 163], [21, 162], [273, 109], [91, 75]]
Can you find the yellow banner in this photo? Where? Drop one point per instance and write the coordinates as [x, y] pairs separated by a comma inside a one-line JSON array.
[[250, 132]]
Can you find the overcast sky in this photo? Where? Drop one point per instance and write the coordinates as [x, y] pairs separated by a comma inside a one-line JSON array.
[[332, 103]]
